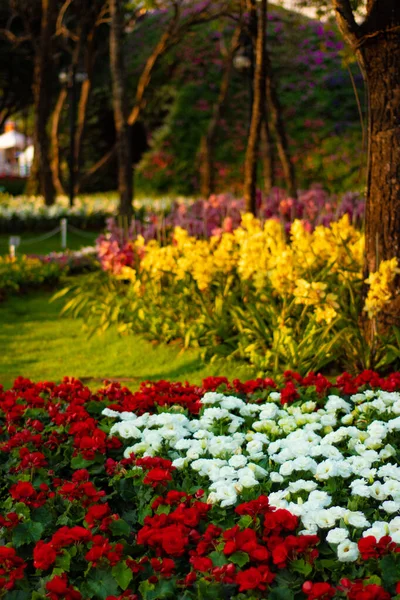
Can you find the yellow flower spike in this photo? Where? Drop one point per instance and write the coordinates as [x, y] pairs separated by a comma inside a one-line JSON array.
[[381, 287]]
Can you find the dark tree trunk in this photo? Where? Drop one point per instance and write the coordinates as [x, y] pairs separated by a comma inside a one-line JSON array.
[[382, 227], [258, 112], [41, 170], [55, 146], [125, 171], [267, 154], [207, 144], [376, 44]]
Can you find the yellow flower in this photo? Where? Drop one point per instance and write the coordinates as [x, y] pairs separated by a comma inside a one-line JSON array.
[[326, 313], [381, 287]]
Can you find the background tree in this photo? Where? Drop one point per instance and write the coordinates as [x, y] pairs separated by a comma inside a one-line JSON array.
[[82, 31], [15, 68], [259, 103], [35, 22], [181, 18], [118, 76], [208, 141]]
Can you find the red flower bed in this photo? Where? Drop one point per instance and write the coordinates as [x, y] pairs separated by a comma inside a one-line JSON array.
[[80, 520]]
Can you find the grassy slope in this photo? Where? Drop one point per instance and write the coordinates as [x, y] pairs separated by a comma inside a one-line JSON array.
[[53, 244], [39, 344]]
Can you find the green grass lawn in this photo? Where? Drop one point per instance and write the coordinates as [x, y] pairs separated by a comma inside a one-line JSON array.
[[38, 343], [74, 242]]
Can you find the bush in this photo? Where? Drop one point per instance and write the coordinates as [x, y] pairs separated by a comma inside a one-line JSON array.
[[12, 185], [24, 273], [241, 491]]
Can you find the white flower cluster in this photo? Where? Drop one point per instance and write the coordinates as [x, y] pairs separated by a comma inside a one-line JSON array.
[[29, 208], [334, 468]]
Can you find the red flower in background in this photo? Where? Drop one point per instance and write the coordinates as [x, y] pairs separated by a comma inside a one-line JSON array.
[[318, 591], [58, 588], [11, 568]]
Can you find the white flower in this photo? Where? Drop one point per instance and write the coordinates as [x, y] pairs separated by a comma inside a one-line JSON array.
[[128, 451], [107, 412], [255, 449], [275, 396], [325, 519], [390, 506], [302, 484], [347, 551], [269, 411], [335, 403], [337, 535], [127, 416], [226, 495], [276, 478], [237, 461], [325, 470], [377, 491], [212, 398], [379, 529], [126, 430], [357, 519]]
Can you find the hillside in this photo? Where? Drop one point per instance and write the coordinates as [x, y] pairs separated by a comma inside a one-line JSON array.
[[315, 89]]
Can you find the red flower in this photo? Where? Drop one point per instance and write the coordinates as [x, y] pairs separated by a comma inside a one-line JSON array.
[[252, 579], [11, 568], [201, 563], [318, 591], [23, 491], [157, 476], [44, 555], [58, 588], [289, 393], [97, 512]]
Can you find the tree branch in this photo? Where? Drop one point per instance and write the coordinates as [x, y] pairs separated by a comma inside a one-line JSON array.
[[14, 39], [346, 21]]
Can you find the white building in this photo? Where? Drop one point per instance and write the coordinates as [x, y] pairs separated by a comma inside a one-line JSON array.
[[16, 152]]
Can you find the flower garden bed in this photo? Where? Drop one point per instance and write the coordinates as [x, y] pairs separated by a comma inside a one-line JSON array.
[[272, 298], [24, 273], [244, 490]]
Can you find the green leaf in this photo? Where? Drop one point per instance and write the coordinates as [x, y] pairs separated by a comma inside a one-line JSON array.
[[101, 584], [122, 575], [26, 533], [301, 566], [245, 521], [42, 515], [120, 527], [63, 561], [239, 558], [280, 594], [80, 463], [390, 568], [219, 559], [161, 591], [18, 595]]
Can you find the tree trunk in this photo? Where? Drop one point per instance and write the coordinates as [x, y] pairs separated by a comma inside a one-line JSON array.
[[275, 109], [125, 172], [207, 144], [42, 107], [382, 225], [80, 126], [376, 44], [258, 112], [55, 146], [267, 155]]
